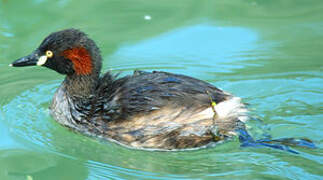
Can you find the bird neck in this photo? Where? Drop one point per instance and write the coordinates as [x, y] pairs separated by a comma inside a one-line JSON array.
[[81, 85], [84, 85]]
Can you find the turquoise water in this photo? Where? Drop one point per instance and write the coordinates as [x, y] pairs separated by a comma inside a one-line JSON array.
[[267, 52]]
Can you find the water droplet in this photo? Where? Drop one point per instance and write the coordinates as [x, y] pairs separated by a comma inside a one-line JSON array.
[[147, 17]]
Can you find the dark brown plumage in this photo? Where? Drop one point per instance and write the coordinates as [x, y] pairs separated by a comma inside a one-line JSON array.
[[155, 110]]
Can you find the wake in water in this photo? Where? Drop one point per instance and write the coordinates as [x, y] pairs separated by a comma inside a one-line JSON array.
[[282, 143]]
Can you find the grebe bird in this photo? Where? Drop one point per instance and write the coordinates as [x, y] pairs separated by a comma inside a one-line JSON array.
[[146, 110]]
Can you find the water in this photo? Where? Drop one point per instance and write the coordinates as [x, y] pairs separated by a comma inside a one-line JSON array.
[[268, 52]]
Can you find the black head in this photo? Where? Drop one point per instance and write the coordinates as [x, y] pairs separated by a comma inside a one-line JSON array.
[[68, 52]]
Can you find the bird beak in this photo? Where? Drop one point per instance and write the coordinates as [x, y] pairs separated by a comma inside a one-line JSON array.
[[30, 60]]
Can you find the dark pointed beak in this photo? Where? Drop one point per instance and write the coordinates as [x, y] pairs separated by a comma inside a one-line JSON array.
[[30, 60]]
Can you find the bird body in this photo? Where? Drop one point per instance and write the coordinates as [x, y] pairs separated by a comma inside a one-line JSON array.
[[146, 110], [155, 110]]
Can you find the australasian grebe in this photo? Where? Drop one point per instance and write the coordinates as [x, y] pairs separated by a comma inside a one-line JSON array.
[[151, 110]]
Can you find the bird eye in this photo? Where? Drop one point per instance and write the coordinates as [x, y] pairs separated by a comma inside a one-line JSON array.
[[49, 54]]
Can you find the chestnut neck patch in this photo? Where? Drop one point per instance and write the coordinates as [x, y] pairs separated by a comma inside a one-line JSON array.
[[81, 60]]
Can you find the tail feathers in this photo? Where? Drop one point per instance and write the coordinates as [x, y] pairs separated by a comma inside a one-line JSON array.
[[232, 108]]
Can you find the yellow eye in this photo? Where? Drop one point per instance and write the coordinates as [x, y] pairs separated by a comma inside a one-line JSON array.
[[49, 54]]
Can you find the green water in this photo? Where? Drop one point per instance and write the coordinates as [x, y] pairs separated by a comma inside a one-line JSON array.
[[268, 52]]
